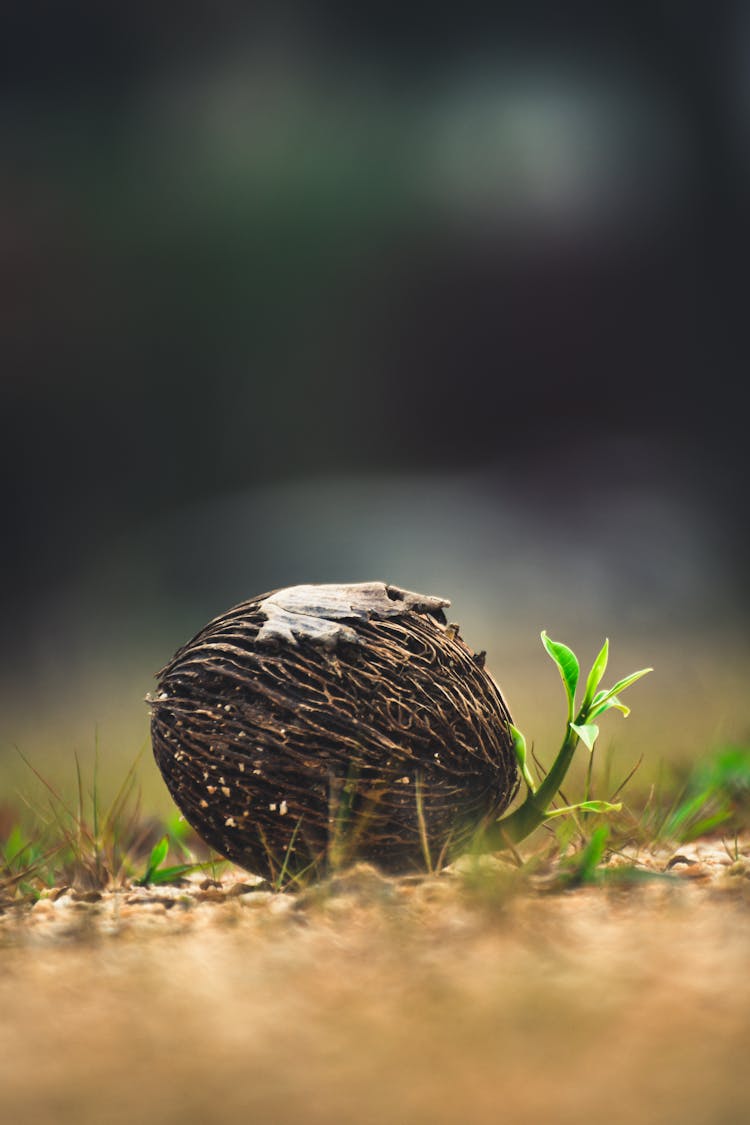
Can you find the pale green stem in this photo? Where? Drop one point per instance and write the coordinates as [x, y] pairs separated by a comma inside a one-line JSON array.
[[521, 823]]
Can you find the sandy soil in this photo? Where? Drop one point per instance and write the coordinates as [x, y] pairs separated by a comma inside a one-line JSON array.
[[368, 1000]]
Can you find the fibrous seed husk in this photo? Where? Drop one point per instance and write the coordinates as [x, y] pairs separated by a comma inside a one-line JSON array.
[[317, 725]]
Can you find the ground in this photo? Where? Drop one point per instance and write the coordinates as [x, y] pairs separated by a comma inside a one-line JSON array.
[[469, 996]]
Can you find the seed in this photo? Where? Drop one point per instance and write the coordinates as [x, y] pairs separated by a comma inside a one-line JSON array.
[[360, 704]]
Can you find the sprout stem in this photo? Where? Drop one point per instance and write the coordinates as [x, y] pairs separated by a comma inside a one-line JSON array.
[[533, 812], [535, 809]]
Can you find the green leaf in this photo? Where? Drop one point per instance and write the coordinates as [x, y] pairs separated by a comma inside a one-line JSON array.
[[587, 732], [14, 846], [626, 682], [600, 806], [567, 664], [609, 703], [159, 853], [519, 747], [171, 874], [701, 827], [603, 700], [155, 860], [598, 669], [584, 806], [614, 703], [592, 854]]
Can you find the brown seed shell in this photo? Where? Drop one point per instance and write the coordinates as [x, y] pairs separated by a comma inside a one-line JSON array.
[[322, 724]]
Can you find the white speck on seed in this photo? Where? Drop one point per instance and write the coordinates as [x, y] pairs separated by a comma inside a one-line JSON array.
[[404, 780], [226, 790], [242, 767], [272, 808], [230, 822], [204, 804], [211, 789], [256, 773], [283, 808]]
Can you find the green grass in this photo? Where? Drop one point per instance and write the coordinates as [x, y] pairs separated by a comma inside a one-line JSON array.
[[74, 839], [77, 841]]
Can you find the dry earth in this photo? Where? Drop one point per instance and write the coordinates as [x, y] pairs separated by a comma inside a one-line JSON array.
[[442, 1000]]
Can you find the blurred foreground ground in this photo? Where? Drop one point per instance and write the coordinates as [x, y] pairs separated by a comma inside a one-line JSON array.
[[376, 1001]]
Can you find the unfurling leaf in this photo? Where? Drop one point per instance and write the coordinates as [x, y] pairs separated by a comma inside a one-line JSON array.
[[626, 681], [519, 748], [604, 700], [598, 669], [610, 703]]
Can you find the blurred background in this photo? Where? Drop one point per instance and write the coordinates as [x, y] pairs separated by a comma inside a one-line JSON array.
[[453, 301]]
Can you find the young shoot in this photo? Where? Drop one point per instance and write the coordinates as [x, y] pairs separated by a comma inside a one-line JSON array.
[[580, 727]]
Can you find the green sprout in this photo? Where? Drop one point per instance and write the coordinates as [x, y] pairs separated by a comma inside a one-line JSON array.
[[581, 726], [156, 874]]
